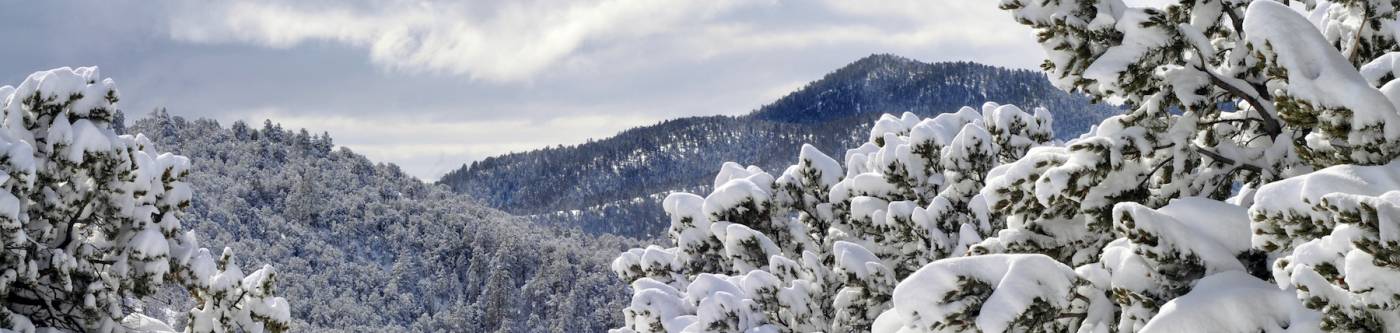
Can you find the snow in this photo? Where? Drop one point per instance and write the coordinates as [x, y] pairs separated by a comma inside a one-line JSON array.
[[87, 138], [1297, 196], [1013, 175], [1375, 284], [889, 124], [942, 128], [1137, 41], [730, 172], [733, 194], [202, 266], [1198, 40], [855, 259], [865, 184], [1234, 302], [140, 323], [657, 258], [150, 247], [230, 277], [735, 237], [1360, 206], [1016, 280], [662, 303], [265, 305], [62, 157], [863, 208], [1378, 68], [824, 165], [967, 236], [9, 208], [1321, 75], [1214, 231], [1000, 120], [972, 144], [706, 285]]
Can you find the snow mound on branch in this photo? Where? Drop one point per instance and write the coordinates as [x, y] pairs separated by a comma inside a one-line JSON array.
[[1316, 71], [1017, 280], [660, 304], [828, 167], [889, 124], [1234, 302], [137, 322], [1137, 41], [855, 259], [864, 184], [1378, 68], [1299, 196], [942, 128], [1213, 230], [1320, 75], [734, 193], [731, 171], [1347, 271]]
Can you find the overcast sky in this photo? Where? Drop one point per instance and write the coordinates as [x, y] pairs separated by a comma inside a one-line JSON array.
[[432, 85]]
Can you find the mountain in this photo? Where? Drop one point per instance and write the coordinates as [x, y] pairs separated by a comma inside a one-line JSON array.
[[614, 185], [363, 247]]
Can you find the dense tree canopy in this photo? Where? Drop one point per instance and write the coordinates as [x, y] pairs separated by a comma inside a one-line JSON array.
[[369, 248], [1250, 185], [90, 220]]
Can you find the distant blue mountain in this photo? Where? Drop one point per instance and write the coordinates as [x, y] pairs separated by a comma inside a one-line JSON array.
[[614, 185]]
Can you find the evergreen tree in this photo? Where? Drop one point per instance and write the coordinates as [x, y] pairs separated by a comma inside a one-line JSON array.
[[822, 246], [1223, 95], [91, 218]]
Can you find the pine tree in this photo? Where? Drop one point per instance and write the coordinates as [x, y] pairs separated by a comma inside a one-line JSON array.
[[1219, 95], [822, 246], [90, 218]]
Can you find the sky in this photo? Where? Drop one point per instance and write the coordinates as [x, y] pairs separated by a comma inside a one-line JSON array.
[[431, 85]]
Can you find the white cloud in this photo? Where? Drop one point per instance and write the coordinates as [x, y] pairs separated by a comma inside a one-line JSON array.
[[428, 148], [588, 66], [518, 40], [511, 42]]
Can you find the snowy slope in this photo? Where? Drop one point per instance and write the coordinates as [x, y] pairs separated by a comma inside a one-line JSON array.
[[363, 247]]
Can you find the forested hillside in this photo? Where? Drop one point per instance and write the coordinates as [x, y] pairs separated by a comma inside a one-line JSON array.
[[362, 247], [615, 185]]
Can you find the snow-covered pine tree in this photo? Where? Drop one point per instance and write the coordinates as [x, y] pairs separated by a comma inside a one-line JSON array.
[[1223, 97], [91, 220], [1336, 234], [821, 247]]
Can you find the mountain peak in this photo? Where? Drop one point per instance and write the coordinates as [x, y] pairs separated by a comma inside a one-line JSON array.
[[872, 64], [886, 83], [883, 59]]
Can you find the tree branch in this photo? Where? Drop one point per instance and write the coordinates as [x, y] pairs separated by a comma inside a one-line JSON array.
[[1356, 40], [1271, 125], [1221, 158]]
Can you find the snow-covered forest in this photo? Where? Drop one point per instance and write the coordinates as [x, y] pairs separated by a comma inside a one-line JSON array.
[[1250, 186], [361, 247], [106, 232], [1199, 166]]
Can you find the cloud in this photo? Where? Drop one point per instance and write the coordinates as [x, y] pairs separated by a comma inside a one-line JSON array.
[[430, 85], [428, 148], [519, 40], [513, 42]]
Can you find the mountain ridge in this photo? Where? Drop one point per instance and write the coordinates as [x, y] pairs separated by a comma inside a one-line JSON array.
[[829, 113]]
